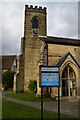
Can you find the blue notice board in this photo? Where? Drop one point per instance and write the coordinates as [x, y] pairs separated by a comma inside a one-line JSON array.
[[49, 76]]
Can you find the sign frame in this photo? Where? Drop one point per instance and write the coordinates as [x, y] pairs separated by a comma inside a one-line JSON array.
[[49, 86], [41, 66]]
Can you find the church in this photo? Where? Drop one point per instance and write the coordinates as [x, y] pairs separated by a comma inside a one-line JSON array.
[[39, 49]]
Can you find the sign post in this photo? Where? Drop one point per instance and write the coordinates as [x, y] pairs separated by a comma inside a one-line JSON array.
[[58, 105], [49, 77], [41, 103]]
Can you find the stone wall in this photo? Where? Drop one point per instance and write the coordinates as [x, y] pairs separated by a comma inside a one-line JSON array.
[[19, 76], [77, 53], [32, 43], [57, 51], [79, 73]]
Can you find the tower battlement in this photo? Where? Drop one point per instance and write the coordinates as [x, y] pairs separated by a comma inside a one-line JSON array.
[[36, 8]]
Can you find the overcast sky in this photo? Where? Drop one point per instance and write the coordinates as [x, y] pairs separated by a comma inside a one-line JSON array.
[[62, 20]]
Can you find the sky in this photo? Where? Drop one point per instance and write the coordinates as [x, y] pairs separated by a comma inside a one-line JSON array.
[[62, 21]]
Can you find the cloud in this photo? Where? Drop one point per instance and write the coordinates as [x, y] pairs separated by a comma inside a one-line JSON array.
[[64, 20], [12, 27], [61, 19]]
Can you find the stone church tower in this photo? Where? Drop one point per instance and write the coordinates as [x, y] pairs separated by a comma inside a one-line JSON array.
[[29, 59]]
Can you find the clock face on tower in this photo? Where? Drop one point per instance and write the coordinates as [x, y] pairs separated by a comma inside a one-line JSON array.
[[35, 25]]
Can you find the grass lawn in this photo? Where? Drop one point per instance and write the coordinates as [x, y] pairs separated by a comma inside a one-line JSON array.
[[0, 108], [14, 110], [28, 97]]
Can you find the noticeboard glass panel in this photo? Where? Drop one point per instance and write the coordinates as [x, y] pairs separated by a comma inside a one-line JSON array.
[[49, 76]]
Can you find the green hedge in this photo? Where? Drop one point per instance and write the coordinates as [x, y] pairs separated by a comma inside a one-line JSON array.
[[7, 79]]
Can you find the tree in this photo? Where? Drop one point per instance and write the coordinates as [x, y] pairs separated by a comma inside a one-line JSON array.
[[7, 79]]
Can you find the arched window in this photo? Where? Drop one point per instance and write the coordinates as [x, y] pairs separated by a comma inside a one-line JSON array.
[[68, 82], [35, 23]]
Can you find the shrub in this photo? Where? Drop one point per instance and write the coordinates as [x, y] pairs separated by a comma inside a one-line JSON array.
[[33, 85], [7, 79]]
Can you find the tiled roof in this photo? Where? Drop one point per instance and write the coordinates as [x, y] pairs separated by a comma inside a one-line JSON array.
[[60, 40], [63, 58], [7, 61]]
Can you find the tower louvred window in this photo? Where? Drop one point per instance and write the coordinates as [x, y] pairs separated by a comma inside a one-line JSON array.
[[35, 23]]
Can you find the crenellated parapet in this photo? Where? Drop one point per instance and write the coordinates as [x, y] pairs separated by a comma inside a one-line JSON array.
[[36, 8]]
